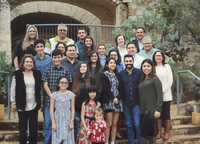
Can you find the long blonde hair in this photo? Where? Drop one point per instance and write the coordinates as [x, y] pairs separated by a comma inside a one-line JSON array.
[[26, 41]]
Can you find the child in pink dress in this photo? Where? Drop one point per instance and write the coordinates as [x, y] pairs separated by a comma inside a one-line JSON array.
[[97, 128]]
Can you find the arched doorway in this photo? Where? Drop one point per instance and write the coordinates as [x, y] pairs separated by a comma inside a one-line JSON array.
[[44, 13]]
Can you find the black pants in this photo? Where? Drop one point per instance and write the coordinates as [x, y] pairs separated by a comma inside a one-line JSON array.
[[24, 118], [147, 126], [97, 143]]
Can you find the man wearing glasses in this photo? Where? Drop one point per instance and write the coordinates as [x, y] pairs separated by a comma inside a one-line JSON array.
[[61, 37], [148, 51]]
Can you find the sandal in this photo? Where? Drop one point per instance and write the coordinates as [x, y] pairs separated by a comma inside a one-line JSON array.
[[166, 136], [158, 136]]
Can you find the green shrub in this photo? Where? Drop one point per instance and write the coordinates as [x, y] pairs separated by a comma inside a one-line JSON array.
[[5, 67]]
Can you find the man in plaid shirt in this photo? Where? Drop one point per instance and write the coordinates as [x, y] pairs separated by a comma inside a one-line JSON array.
[[50, 77]]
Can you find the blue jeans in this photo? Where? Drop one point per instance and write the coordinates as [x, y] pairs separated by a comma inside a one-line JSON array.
[[47, 126], [77, 122], [132, 120]]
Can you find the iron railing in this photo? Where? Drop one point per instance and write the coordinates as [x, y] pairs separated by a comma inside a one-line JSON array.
[[100, 33], [178, 85]]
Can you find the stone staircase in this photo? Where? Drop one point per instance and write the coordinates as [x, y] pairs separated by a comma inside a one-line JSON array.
[[182, 132]]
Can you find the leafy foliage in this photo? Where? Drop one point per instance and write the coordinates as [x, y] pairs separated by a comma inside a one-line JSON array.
[[164, 35], [5, 67], [183, 14]]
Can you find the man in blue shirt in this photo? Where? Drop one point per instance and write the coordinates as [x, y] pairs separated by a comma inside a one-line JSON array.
[[81, 35], [131, 110], [71, 61], [42, 61]]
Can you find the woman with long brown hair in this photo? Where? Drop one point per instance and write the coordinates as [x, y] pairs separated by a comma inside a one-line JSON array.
[[95, 68], [151, 100], [111, 98], [25, 46], [81, 81], [88, 45]]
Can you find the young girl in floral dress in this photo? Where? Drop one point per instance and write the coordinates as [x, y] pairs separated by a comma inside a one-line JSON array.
[[98, 128], [87, 114], [62, 113]]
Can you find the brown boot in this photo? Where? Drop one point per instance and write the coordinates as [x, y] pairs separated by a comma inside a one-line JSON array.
[[167, 129], [159, 128]]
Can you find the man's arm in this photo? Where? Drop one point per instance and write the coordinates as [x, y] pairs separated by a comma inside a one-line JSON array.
[[46, 88]]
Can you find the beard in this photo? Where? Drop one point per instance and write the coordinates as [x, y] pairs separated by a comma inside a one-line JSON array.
[[129, 66]]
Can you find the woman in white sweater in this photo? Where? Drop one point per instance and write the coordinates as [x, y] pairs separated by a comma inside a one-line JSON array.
[[164, 73]]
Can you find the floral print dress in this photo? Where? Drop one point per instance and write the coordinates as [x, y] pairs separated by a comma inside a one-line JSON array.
[[89, 114], [62, 117]]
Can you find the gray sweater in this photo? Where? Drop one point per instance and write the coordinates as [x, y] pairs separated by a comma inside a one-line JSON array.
[[150, 96]]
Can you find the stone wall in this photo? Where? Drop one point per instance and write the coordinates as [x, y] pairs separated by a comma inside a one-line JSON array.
[[5, 33]]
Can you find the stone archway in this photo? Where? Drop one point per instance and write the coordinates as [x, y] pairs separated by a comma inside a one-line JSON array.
[[87, 11], [69, 10], [47, 12]]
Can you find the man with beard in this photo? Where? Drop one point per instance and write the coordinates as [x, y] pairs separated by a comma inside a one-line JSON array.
[[131, 110], [81, 35]]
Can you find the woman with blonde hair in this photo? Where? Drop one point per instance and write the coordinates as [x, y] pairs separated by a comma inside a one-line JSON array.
[[25, 46]]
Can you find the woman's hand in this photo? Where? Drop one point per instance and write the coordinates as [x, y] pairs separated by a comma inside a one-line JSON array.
[[71, 125], [14, 106], [157, 114], [115, 100], [54, 127]]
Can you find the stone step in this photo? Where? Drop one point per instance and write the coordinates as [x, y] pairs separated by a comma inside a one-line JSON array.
[[124, 141], [181, 119], [13, 125], [14, 135], [174, 139], [6, 142], [181, 139], [185, 129]]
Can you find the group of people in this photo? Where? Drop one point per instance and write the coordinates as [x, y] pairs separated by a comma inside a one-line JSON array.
[[84, 92]]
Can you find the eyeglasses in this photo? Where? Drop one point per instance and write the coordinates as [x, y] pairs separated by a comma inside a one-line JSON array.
[[158, 55], [147, 43], [113, 55], [62, 30], [63, 83]]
